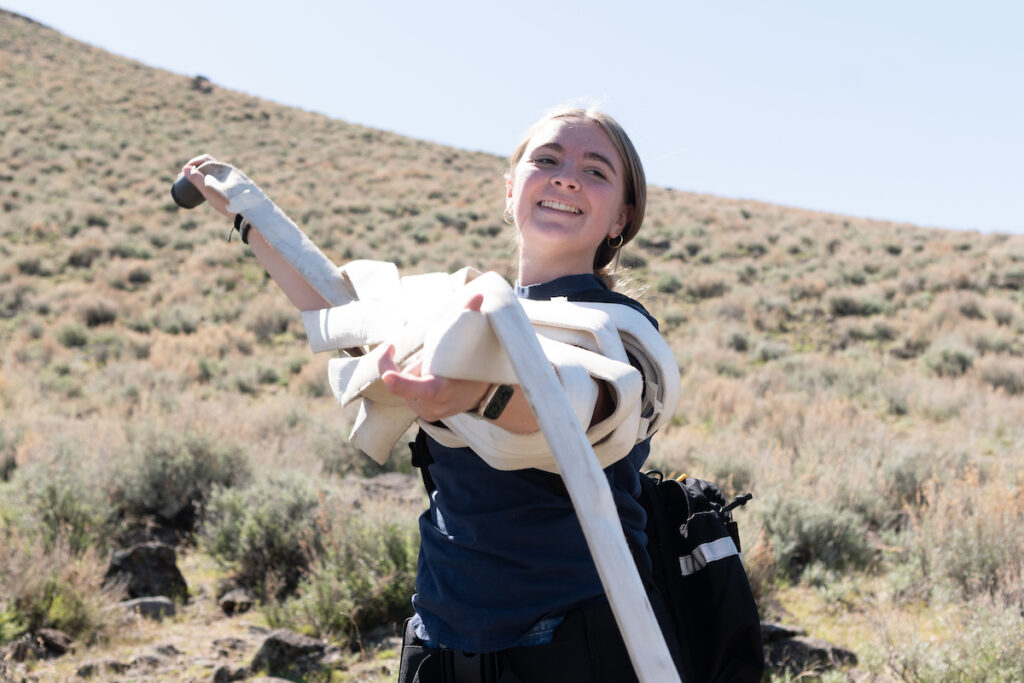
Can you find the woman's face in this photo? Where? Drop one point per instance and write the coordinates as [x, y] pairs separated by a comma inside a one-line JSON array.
[[566, 193]]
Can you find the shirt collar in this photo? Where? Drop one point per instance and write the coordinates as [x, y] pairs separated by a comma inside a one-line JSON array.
[[567, 285]]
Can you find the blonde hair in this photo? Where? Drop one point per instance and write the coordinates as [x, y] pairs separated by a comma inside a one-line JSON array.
[[635, 180]]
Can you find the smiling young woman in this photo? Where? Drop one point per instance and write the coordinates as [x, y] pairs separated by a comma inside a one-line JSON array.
[[506, 588]]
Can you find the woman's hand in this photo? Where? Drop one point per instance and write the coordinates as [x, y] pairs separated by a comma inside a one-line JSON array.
[[198, 179], [429, 396]]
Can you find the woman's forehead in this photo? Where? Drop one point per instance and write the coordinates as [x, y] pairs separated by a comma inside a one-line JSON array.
[[576, 133]]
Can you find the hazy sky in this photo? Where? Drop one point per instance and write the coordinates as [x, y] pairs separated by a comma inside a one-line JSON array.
[[905, 110]]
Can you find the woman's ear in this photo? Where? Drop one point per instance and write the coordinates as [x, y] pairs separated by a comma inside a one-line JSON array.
[[622, 221]]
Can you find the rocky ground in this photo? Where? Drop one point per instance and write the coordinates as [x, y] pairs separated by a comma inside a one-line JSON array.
[[203, 639]]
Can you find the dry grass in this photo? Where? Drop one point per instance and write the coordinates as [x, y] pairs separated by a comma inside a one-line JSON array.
[[863, 374]]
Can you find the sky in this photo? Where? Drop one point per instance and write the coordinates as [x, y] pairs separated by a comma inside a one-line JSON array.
[[904, 110]]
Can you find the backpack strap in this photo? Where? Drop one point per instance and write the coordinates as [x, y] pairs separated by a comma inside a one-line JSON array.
[[422, 459]]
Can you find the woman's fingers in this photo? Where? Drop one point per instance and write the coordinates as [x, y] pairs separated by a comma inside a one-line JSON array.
[[475, 302], [196, 161], [199, 181]]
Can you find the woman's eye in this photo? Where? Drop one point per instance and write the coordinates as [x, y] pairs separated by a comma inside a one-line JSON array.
[[543, 160], [597, 172]]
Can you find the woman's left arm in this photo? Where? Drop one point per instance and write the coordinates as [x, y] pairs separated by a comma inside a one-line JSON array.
[[434, 398]]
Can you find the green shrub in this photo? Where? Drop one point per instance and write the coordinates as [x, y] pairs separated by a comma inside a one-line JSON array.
[[802, 531], [768, 350], [737, 340], [982, 643], [707, 286], [949, 358], [72, 336], [265, 324], [263, 533], [171, 473], [82, 257], [856, 303], [668, 284], [99, 312], [8, 461], [129, 250], [364, 576], [139, 276], [49, 586], [32, 266], [60, 500], [178, 319], [1003, 373]]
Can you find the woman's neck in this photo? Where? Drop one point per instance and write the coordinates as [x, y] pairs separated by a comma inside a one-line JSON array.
[[538, 271]]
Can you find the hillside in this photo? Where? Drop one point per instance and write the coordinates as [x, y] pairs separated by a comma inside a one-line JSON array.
[[864, 379]]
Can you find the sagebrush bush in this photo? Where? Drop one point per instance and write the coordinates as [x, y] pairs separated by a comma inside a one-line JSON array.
[[668, 284], [47, 585], [72, 336], [974, 547], [707, 285], [855, 303], [769, 350], [949, 357], [98, 312], [61, 499], [1003, 373], [983, 643], [264, 533], [170, 473], [362, 576], [267, 322], [177, 319], [802, 531]]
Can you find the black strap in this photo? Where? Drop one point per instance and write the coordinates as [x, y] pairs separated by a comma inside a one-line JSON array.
[[422, 459]]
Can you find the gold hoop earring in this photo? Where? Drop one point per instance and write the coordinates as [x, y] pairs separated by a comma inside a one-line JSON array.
[[612, 244], [509, 218]]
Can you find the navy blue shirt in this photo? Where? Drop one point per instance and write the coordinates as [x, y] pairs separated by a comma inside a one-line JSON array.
[[503, 551]]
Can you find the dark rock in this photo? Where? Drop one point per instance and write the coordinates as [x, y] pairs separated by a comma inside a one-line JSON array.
[[56, 642], [202, 84], [145, 662], [168, 650], [108, 666], [237, 601], [802, 654], [333, 658], [148, 569], [225, 674], [42, 644], [286, 653], [155, 607], [772, 632], [225, 646]]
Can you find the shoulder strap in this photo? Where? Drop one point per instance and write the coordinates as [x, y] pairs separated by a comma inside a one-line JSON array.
[[422, 459]]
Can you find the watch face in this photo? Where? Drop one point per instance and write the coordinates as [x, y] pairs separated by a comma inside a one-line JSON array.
[[496, 406]]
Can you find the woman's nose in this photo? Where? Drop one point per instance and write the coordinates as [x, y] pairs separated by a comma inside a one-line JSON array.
[[565, 180]]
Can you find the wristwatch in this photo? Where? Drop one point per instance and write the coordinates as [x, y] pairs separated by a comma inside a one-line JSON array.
[[495, 401]]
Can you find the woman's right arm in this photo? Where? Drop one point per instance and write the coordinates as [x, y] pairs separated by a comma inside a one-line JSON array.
[[295, 287]]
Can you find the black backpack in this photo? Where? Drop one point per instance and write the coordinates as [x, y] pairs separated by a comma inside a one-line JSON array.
[[694, 546]]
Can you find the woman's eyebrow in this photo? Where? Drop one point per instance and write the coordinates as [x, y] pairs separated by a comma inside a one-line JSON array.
[[600, 157], [557, 147]]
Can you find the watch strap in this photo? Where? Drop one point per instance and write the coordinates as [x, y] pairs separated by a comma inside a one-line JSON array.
[[495, 401]]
